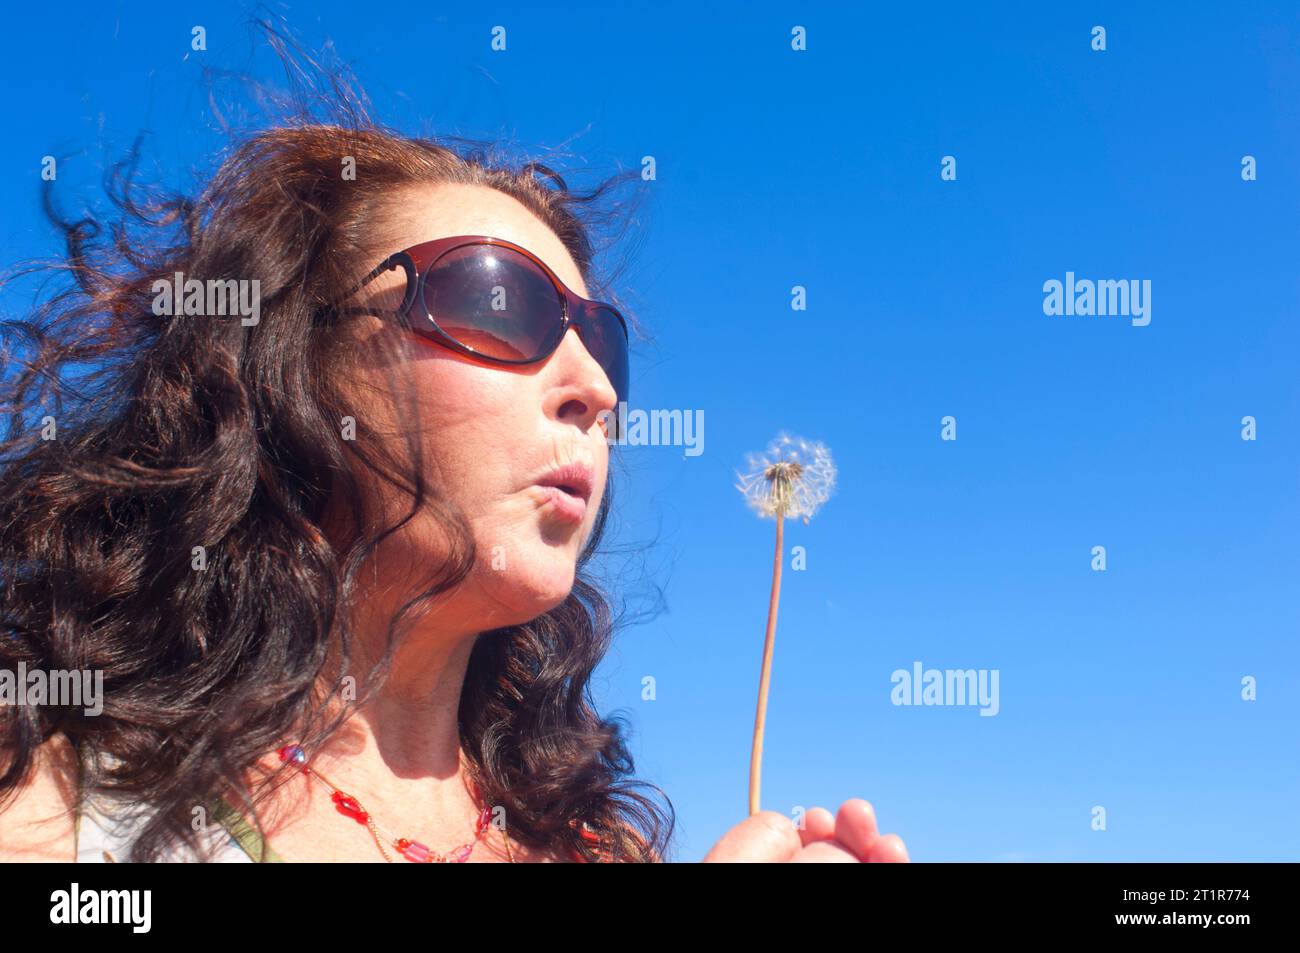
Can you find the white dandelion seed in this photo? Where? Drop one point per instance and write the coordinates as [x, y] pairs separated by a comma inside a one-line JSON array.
[[793, 476]]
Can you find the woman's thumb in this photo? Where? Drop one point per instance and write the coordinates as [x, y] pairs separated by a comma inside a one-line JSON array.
[[763, 838]]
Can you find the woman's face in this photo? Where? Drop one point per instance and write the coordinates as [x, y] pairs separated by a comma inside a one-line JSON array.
[[488, 433]]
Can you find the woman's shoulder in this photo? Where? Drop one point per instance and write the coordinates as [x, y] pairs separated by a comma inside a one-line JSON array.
[[41, 821], [37, 818], [107, 829]]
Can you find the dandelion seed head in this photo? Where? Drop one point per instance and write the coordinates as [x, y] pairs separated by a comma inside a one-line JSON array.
[[792, 476]]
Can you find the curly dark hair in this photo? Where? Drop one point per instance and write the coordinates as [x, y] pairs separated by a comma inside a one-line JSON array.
[[173, 434]]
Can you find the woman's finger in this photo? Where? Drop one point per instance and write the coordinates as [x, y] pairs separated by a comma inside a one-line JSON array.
[[763, 838], [888, 850], [818, 824], [825, 852], [855, 827]]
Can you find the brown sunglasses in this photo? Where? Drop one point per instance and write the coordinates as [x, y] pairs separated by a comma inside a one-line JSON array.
[[497, 301]]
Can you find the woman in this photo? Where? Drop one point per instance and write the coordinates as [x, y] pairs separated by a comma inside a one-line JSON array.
[[328, 554]]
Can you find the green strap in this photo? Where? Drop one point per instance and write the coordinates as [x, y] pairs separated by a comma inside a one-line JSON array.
[[245, 834]]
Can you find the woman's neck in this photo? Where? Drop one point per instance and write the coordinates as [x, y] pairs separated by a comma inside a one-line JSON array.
[[398, 754]]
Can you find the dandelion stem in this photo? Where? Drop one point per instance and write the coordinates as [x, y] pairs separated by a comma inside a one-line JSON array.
[[760, 717]]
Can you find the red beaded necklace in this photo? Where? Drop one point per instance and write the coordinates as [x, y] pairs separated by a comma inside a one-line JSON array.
[[412, 850]]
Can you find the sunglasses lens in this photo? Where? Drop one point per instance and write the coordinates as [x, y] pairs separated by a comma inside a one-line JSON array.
[[608, 345], [494, 301]]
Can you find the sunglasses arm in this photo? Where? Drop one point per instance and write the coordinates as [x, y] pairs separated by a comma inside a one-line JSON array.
[[399, 260], [388, 264]]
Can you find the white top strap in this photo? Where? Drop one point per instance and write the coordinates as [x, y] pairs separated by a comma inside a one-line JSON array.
[[107, 829]]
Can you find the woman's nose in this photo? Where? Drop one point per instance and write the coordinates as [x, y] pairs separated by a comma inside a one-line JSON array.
[[583, 380]]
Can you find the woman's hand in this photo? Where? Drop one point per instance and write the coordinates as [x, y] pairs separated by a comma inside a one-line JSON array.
[[771, 838]]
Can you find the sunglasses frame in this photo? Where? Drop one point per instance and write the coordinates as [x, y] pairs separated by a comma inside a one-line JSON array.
[[417, 261]]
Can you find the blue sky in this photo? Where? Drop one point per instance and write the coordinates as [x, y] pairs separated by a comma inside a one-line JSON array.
[[1119, 689]]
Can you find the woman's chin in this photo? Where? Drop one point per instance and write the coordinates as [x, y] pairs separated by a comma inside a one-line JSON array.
[[534, 587]]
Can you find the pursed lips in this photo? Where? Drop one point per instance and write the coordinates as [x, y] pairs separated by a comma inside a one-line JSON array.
[[568, 490]]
